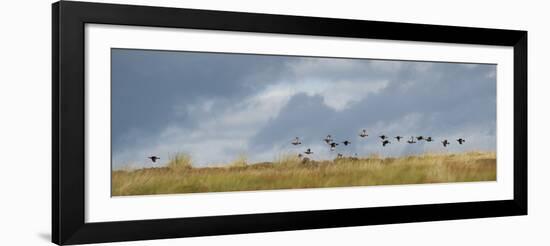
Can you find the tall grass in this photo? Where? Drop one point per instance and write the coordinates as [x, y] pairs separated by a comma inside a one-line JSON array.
[[180, 162], [291, 172], [241, 161]]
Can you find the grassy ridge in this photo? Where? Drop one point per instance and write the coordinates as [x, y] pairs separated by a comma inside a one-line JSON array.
[[291, 173]]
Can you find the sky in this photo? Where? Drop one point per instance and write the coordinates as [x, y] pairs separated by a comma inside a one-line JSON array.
[[217, 107]]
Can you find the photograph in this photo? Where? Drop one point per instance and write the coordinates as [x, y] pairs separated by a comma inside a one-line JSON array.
[[195, 122], [171, 121]]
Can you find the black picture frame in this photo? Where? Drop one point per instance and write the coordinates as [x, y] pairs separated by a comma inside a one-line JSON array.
[[68, 138]]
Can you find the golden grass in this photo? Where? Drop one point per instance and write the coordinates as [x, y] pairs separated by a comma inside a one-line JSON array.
[[289, 172], [180, 162]]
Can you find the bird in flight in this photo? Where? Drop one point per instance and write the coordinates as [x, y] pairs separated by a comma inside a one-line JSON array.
[[308, 151], [445, 143], [398, 138], [346, 143], [411, 141], [363, 133], [429, 139], [419, 138], [383, 137], [328, 139], [333, 146], [385, 142], [461, 140], [339, 155], [153, 158], [296, 141]]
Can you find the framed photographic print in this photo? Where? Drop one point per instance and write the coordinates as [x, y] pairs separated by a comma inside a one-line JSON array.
[[175, 122]]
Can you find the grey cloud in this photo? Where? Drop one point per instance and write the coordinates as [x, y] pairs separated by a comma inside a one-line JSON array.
[[261, 102], [448, 100], [147, 85]]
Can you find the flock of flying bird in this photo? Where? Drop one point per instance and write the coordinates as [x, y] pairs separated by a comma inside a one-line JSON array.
[[363, 134]]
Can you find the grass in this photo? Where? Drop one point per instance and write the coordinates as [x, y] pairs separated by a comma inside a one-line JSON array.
[[290, 172]]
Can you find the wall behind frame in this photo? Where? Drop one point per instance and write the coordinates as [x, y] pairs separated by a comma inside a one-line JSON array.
[[25, 135]]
